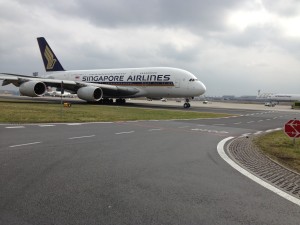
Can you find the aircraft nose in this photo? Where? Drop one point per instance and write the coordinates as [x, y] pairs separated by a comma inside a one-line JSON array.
[[201, 88]]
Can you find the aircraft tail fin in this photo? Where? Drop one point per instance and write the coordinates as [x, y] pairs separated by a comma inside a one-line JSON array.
[[51, 62]]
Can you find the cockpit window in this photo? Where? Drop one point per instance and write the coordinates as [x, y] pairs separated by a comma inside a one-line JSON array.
[[192, 79]]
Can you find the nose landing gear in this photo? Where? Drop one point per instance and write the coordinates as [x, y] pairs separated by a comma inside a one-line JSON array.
[[187, 104]]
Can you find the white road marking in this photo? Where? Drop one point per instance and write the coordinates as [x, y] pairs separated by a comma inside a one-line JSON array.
[[219, 124], [258, 132], [271, 130], [15, 127], [224, 156], [98, 123], [187, 126], [223, 132], [260, 121], [210, 131], [155, 129], [268, 131], [46, 125], [250, 122], [238, 123], [32, 143], [246, 134], [126, 132], [74, 124], [71, 138]]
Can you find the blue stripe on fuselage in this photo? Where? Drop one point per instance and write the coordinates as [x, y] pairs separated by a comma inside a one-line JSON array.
[[137, 83]]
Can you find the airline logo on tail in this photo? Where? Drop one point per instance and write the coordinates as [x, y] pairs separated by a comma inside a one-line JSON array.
[[50, 58], [51, 62]]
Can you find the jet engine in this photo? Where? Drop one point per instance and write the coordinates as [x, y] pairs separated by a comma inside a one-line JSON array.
[[90, 94], [32, 88]]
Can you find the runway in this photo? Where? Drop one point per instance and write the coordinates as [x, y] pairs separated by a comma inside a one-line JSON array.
[[139, 172]]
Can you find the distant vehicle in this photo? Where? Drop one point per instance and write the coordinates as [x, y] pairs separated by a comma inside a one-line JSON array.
[[104, 85], [205, 102], [164, 100], [270, 104]]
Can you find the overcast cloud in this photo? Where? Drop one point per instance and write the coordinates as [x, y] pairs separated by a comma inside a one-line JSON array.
[[234, 46]]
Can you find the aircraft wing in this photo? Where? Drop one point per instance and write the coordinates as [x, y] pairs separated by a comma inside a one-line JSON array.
[[72, 86], [18, 79]]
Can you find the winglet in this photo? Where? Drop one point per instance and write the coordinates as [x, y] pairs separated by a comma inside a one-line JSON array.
[[50, 60]]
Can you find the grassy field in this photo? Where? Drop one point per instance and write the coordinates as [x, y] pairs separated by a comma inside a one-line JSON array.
[[279, 147], [17, 111]]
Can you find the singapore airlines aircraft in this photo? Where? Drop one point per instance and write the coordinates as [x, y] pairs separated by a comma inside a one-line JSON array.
[[104, 85]]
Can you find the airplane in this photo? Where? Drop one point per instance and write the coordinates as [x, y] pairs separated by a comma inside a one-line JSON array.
[[284, 97], [274, 99], [104, 85]]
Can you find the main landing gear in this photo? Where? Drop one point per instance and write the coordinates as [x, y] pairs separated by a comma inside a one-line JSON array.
[[120, 101], [108, 101], [187, 104]]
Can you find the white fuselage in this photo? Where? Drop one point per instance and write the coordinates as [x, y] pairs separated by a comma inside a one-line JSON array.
[[284, 97], [152, 82]]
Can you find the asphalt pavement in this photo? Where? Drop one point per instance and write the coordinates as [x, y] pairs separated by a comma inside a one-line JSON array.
[[139, 172]]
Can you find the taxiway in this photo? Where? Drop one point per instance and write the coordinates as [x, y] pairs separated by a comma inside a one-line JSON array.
[[139, 172]]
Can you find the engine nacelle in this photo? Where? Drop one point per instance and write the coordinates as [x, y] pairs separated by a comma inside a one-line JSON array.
[[91, 94], [32, 88]]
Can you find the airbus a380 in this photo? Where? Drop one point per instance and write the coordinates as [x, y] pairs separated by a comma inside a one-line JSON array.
[[106, 84]]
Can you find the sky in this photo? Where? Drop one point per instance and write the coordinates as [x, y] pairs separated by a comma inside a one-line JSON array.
[[235, 47]]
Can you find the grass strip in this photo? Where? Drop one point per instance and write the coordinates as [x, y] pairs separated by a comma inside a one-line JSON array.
[[278, 146], [40, 112]]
